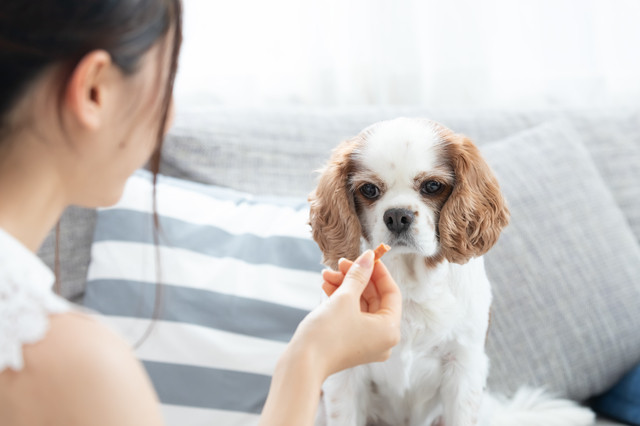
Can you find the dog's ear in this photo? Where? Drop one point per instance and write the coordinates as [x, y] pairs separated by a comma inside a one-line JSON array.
[[334, 222], [475, 213]]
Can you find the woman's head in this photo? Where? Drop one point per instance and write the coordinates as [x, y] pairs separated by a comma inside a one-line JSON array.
[[91, 82]]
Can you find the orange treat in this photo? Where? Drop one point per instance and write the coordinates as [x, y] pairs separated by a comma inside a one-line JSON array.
[[380, 251]]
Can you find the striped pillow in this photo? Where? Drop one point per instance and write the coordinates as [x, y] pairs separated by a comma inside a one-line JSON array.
[[237, 272]]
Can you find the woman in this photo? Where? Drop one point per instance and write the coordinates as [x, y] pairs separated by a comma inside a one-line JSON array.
[[85, 99]]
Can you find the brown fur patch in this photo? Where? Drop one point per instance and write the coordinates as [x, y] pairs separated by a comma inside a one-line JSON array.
[[360, 178], [432, 261], [333, 219], [473, 216]]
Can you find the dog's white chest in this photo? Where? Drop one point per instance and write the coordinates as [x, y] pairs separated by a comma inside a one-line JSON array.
[[404, 390]]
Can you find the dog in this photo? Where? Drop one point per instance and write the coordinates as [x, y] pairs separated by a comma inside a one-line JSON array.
[[428, 193]]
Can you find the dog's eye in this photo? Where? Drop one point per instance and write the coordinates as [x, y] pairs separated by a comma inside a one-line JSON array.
[[431, 187], [370, 191]]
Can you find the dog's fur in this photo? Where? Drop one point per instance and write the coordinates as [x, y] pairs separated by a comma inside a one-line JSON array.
[[436, 202]]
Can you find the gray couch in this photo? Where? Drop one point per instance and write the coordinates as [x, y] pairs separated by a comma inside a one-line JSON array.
[[565, 272]]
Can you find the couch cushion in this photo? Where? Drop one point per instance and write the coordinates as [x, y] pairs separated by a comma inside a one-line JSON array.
[[565, 272], [76, 234], [237, 274]]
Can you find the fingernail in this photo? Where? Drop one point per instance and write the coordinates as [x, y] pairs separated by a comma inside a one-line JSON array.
[[342, 259], [366, 259]]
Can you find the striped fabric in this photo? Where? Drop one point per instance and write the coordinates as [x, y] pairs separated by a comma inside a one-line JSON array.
[[237, 275]]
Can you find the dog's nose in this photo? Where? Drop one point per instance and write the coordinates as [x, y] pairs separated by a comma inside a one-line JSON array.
[[398, 220]]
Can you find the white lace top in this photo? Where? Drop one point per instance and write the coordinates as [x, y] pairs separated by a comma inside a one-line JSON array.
[[26, 300]]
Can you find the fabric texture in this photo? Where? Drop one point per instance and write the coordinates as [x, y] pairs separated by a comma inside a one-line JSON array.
[[564, 273], [614, 144], [623, 400], [26, 300], [237, 275], [76, 234]]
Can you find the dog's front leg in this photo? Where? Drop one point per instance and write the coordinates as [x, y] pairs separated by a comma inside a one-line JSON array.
[[465, 375], [343, 403]]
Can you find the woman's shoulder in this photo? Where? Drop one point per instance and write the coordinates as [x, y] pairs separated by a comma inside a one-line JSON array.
[[79, 373]]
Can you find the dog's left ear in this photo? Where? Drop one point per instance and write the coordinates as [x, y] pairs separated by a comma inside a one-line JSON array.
[[333, 219], [475, 213]]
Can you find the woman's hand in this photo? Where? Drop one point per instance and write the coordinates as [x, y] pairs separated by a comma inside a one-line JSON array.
[[360, 322]]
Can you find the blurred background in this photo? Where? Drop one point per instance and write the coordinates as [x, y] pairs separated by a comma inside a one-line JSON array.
[[438, 53]]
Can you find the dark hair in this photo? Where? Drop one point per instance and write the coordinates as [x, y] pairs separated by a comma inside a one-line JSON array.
[[36, 34]]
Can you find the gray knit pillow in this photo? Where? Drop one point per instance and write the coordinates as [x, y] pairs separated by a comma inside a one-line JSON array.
[[565, 273]]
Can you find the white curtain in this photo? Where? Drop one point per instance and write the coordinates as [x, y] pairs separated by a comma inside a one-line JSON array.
[[445, 53]]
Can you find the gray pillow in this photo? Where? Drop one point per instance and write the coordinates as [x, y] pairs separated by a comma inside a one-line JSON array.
[[565, 273], [238, 273], [614, 145]]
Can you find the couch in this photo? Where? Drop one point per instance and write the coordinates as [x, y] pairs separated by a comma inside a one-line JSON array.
[[565, 273]]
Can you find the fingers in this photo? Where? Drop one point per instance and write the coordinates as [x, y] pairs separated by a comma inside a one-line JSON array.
[[329, 288], [383, 294], [333, 277], [344, 265], [336, 277], [332, 280], [367, 304], [357, 277], [388, 291]]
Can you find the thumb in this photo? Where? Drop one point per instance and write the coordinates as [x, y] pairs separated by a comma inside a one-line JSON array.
[[358, 275]]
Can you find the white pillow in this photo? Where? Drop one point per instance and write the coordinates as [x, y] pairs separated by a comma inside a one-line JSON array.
[[237, 273]]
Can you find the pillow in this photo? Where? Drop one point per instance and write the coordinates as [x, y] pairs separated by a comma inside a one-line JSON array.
[[613, 140], [622, 402], [565, 272], [238, 273]]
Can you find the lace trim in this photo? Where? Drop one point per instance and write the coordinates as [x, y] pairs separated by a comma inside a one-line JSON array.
[[26, 301], [24, 317]]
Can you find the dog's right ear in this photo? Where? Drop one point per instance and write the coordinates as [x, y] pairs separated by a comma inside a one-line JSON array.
[[334, 222], [475, 213]]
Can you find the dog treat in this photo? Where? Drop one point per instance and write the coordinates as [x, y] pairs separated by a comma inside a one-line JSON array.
[[380, 251]]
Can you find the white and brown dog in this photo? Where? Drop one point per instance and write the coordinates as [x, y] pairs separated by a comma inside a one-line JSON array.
[[427, 192]]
